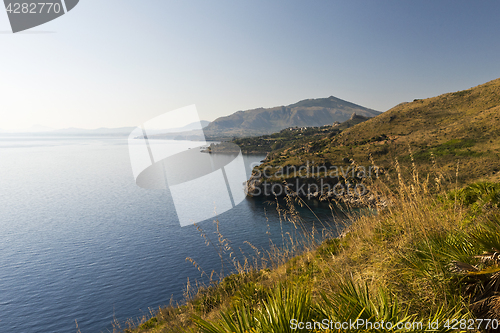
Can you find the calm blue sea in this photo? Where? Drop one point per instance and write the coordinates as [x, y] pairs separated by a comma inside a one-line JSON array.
[[80, 241]]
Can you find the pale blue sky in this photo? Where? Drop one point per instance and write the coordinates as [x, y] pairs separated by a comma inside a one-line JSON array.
[[119, 63]]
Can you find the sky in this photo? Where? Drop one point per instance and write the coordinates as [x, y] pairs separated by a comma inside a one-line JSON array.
[[118, 63]]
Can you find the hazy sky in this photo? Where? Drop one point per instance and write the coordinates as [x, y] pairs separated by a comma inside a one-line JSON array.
[[119, 63]]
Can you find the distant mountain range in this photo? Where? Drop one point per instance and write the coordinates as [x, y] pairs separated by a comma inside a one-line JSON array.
[[260, 121], [306, 113], [38, 130], [103, 131]]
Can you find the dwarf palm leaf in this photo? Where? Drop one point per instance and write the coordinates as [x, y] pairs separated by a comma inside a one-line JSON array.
[[487, 234], [478, 195], [354, 303], [282, 305], [236, 320]]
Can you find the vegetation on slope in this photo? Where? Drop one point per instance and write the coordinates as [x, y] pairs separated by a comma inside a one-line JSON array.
[[429, 256], [425, 259], [461, 126], [286, 138]]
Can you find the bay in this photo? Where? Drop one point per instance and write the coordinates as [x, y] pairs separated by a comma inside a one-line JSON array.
[[79, 240]]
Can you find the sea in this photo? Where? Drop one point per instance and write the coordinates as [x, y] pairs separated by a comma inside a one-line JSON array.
[[82, 244]]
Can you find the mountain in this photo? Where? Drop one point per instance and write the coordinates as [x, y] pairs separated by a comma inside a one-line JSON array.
[[194, 126], [454, 130], [284, 138], [306, 113]]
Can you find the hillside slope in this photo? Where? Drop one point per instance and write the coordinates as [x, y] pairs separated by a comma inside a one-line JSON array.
[[285, 138], [423, 258], [306, 113], [460, 128]]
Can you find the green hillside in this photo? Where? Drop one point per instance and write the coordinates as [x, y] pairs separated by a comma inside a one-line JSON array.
[[285, 138], [456, 128]]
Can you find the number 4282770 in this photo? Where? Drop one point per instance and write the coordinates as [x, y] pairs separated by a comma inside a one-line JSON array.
[[34, 8]]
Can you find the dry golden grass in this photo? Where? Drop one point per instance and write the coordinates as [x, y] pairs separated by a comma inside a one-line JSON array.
[[402, 247]]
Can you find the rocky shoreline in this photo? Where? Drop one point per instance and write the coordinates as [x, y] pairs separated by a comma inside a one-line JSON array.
[[355, 196]]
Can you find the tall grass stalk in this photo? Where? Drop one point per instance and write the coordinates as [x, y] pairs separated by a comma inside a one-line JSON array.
[[419, 253]]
